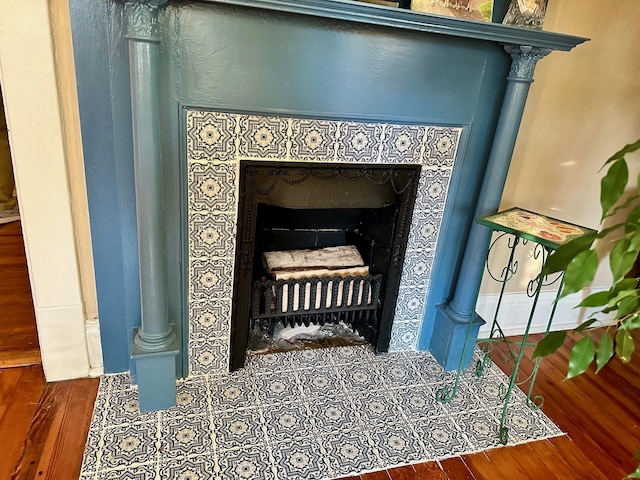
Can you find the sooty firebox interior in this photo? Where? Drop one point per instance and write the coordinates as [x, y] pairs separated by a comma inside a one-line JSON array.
[[294, 206]]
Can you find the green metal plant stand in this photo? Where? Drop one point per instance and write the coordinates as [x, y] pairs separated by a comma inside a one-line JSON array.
[[517, 227]]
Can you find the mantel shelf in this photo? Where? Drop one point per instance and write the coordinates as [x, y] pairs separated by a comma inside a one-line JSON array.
[[409, 20]]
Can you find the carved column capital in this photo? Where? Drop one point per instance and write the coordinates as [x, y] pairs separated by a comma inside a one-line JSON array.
[[524, 60], [142, 19]]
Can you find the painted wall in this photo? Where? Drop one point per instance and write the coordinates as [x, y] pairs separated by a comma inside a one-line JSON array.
[[582, 108], [225, 57], [28, 75]]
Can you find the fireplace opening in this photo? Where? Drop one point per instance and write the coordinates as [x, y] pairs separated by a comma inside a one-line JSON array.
[[310, 211]]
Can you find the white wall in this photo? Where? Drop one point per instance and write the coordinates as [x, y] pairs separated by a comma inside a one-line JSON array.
[[583, 106]]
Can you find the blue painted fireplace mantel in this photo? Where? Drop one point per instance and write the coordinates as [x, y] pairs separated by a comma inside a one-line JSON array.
[[328, 59]]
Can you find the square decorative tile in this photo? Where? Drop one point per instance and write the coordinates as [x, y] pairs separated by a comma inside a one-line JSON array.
[[212, 234], [277, 388], [287, 421], [416, 270], [139, 472], [210, 279], [350, 453], [210, 135], [208, 355], [376, 407], [231, 392], [191, 398], [442, 146], [526, 424], [268, 363], [238, 429], [180, 435], [247, 464], [360, 354], [90, 456], [441, 438], [334, 415], [320, 383], [396, 444], [359, 142], [210, 318], [404, 336], [263, 137], [300, 460], [124, 445], [200, 467], [123, 408], [309, 358], [313, 140], [480, 427], [212, 187], [418, 402], [119, 382], [432, 188], [360, 378], [410, 304], [425, 226], [402, 144]]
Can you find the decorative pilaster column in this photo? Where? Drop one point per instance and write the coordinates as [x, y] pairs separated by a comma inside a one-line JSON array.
[[154, 346], [453, 317]]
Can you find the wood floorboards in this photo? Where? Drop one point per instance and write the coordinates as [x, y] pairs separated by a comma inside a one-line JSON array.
[[18, 334]]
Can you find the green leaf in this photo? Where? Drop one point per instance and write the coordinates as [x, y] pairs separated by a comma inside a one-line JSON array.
[[630, 323], [581, 357], [635, 474], [604, 352], [549, 344], [625, 204], [624, 345], [634, 215], [585, 325], [631, 147], [621, 259], [624, 284], [559, 259], [613, 302], [595, 300], [627, 305], [612, 185], [580, 272]]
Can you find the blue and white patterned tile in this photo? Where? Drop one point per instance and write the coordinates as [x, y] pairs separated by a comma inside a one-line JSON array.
[[396, 444], [361, 354], [212, 187], [441, 438], [263, 137], [238, 429], [200, 467], [212, 234], [119, 382], [300, 460], [442, 145], [185, 435], [402, 144], [208, 355], [322, 382], [397, 373], [210, 278], [127, 444], [433, 374], [338, 415], [309, 357], [91, 449], [423, 234], [210, 317], [465, 399], [432, 189], [123, 408], [416, 270], [410, 305], [417, 402], [480, 427], [210, 136], [268, 363], [191, 398], [375, 407], [232, 392], [247, 464], [287, 421], [350, 453], [359, 142], [277, 388], [138, 472], [313, 140], [526, 424], [404, 336], [359, 378]]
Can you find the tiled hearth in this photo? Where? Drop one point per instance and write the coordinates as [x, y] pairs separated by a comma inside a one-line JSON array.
[[216, 142], [312, 414]]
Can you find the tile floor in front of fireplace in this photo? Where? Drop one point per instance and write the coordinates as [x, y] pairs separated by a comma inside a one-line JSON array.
[[312, 414]]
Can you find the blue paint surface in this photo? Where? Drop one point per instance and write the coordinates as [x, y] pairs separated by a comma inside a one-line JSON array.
[[243, 59]]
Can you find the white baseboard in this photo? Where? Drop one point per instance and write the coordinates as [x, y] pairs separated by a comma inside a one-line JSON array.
[[94, 347], [516, 308]]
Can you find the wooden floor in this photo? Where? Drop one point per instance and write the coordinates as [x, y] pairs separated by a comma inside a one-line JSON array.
[[43, 426], [18, 336]]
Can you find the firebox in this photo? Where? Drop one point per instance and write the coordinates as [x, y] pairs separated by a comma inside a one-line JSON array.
[[298, 206]]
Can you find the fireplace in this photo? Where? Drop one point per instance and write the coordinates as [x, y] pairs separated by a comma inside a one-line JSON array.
[[289, 207], [263, 182]]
